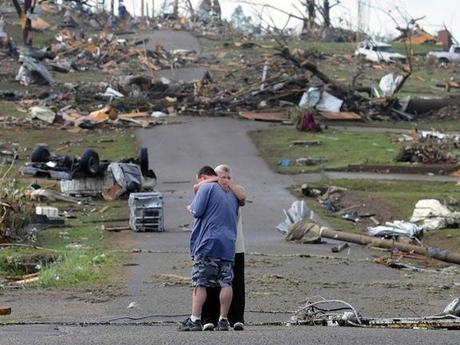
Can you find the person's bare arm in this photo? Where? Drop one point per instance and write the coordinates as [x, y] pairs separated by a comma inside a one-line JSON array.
[[199, 184], [235, 189]]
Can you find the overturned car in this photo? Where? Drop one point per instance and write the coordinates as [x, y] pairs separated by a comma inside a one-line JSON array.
[[87, 175]]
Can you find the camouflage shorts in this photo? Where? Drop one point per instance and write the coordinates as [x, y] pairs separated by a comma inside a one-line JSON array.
[[211, 272]]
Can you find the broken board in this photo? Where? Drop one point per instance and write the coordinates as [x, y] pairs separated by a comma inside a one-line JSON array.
[[268, 116], [342, 116]]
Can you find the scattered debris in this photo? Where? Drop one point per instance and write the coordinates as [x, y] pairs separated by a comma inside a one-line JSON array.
[[132, 305], [169, 279], [298, 213], [340, 247], [323, 312], [395, 229], [309, 161], [44, 114], [433, 215], [5, 310], [304, 231], [49, 195]]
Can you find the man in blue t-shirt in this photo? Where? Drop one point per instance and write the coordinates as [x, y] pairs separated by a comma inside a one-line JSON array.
[[212, 248]]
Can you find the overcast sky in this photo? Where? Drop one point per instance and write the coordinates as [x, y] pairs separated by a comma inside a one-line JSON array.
[[437, 12]]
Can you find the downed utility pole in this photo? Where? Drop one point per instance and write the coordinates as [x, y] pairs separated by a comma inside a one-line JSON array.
[[436, 253]]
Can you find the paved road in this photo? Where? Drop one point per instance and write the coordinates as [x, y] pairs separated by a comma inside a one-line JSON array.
[[114, 335], [278, 281]]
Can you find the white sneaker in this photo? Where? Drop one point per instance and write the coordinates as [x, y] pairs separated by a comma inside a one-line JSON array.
[[208, 326], [238, 326]]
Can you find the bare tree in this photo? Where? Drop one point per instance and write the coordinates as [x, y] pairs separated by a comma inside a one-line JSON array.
[[24, 19], [176, 8], [311, 13], [325, 11]]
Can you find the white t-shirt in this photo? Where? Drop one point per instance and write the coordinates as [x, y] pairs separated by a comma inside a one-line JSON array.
[[239, 244]]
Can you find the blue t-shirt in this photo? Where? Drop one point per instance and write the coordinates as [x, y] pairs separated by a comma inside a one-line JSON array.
[[214, 229]]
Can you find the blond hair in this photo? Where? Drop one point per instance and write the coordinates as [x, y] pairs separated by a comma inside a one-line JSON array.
[[223, 168]]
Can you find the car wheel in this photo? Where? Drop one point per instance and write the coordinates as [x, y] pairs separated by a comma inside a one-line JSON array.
[[144, 160], [40, 154], [443, 61], [89, 162]]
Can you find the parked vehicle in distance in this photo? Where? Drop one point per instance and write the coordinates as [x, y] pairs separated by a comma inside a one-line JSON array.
[[379, 52], [451, 56]]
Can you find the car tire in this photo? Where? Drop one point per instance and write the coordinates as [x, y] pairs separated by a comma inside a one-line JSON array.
[[40, 154], [144, 160], [89, 162], [444, 61]]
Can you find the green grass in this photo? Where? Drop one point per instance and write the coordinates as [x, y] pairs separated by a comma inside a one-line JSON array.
[[435, 125], [83, 249], [402, 195], [82, 268], [10, 109], [339, 148], [110, 145]]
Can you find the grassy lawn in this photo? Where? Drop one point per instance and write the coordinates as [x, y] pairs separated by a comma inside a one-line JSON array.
[[10, 109], [421, 124], [339, 148], [80, 253], [109, 145]]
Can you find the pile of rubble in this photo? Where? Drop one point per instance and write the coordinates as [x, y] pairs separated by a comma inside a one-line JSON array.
[[101, 52], [271, 83], [429, 147]]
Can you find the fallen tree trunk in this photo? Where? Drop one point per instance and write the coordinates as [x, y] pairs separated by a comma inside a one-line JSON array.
[[422, 106], [436, 253]]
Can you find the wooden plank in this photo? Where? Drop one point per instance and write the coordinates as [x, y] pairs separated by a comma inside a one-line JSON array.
[[5, 310], [331, 115], [268, 116], [134, 114]]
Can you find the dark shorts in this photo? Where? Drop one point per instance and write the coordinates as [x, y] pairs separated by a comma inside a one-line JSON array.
[[211, 272]]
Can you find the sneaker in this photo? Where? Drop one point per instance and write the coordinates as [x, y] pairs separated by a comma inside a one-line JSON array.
[[223, 325], [238, 326], [208, 326], [189, 325]]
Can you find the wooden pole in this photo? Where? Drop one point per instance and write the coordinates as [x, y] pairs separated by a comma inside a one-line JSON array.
[[436, 253]]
